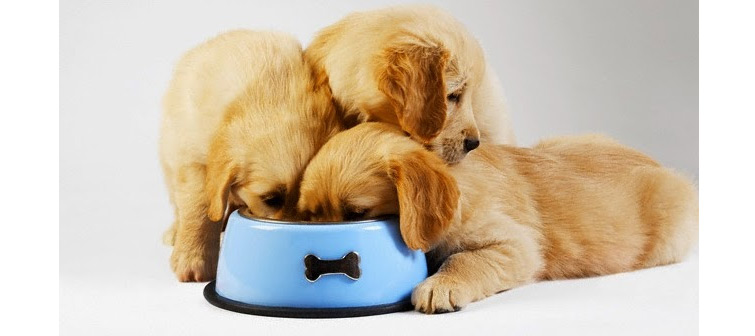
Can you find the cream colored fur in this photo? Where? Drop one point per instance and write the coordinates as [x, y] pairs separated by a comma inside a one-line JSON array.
[[242, 117], [382, 66]]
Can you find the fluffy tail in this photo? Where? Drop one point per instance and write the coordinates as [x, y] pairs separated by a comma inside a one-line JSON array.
[[669, 211]]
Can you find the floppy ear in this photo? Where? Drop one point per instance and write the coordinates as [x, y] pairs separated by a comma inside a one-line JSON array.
[[428, 197], [411, 76], [220, 175]]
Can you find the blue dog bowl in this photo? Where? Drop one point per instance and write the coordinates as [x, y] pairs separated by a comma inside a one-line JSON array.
[[315, 269]]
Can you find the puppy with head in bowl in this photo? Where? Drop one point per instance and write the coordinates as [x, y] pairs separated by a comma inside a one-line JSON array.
[[242, 117], [506, 216]]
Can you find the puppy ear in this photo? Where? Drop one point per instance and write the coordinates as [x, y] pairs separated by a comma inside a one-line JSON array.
[[218, 180], [411, 76], [428, 197]]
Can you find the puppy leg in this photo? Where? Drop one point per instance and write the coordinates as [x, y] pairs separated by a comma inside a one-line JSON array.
[[197, 239], [475, 274]]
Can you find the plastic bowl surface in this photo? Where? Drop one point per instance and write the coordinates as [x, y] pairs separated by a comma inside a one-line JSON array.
[[315, 269]]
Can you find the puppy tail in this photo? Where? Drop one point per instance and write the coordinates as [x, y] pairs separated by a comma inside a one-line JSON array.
[[670, 212]]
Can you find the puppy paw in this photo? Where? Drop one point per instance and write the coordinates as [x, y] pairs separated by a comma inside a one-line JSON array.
[[440, 294], [194, 266]]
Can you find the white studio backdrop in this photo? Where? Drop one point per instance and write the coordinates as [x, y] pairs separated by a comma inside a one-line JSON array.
[[628, 69]]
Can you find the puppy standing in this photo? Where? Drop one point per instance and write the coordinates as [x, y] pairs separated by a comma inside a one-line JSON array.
[[242, 117], [416, 67], [569, 207]]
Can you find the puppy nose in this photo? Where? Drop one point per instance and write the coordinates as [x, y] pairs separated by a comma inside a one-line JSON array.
[[470, 144]]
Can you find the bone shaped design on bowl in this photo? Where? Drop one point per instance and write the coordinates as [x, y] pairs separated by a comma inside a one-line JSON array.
[[348, 265]]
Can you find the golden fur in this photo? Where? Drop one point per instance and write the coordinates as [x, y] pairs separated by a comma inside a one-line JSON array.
[[416, 67], [569, 207], [242, 118]]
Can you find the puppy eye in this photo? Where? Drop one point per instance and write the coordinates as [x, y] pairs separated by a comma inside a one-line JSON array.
[[352, 215], [454, 97], [274, 201]]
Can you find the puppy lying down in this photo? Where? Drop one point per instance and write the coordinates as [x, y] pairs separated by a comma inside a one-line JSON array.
[[506, 216]]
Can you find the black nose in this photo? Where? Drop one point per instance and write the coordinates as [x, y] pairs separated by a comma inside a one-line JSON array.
[[470, 144]]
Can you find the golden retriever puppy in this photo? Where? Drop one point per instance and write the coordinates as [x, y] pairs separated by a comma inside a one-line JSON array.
[[569, 207], [416, 67], [242, 118]]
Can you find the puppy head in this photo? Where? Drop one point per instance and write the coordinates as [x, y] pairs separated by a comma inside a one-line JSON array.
[[373, 169], [428, 73], [460, 134], [263, 174], [269, 135], [236, 178]]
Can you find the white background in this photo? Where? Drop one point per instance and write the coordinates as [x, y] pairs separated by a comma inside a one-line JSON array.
[[627, 69]]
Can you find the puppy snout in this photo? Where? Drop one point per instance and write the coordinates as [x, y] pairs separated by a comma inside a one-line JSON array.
[[470, 144]]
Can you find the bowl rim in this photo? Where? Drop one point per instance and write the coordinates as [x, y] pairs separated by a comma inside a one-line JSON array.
[[382, 218]]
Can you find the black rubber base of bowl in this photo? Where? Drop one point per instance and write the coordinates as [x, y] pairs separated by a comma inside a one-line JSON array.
[[212, 297]]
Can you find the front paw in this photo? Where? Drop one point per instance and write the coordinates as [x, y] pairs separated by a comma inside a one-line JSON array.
[[440, 294], [194, 266]]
